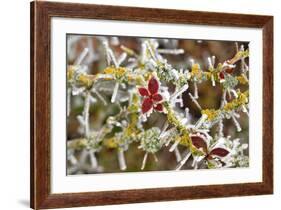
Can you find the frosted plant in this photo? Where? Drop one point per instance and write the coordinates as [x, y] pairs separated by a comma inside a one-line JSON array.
[[134, 88]]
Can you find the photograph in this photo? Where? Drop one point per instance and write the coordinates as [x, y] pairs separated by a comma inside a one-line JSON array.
[[139, 104], [134, 104]]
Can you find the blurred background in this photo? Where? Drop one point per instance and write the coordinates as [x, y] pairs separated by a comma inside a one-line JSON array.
[[209, 96]]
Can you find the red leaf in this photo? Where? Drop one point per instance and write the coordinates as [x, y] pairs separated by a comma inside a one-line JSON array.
[[221, 75], [153, 86], [229, 70], [157, 97], [159, 107], [209, 157], [219, 152], [143, 91], [146, 105], [199, 142]]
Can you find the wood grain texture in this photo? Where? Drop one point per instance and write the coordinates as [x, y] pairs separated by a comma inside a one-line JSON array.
[[41, 14]]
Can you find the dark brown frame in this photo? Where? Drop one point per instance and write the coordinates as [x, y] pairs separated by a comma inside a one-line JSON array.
[[41, 14]]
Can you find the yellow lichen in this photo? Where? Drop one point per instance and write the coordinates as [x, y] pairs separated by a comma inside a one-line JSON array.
[[208, 75], [78, 143], [110, 142], [70, 72], [118, 73], [85, 80], [242, 80], [109, 70], [195, 71], [128, 51], [211, 114], [238, 56], [242, 99], [185, 140]]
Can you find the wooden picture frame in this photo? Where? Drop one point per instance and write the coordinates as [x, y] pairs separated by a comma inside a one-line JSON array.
[[41, 14]]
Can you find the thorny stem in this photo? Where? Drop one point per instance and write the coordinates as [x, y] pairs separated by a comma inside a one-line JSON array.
[[200, 121], [195, 90], [93, 159], [68, 100], [115, 91], [72, 159], [220, 128], [177, 154], [183, 161], [213, 81], [99, 96], [195, 101], [174, 146], [144, 161], [179, 92], [86, 114], [171, 51], [121, 160], [236, 123], [220, 125], [79, 60]]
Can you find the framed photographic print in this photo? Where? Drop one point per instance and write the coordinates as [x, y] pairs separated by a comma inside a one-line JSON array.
[[141, 105]]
